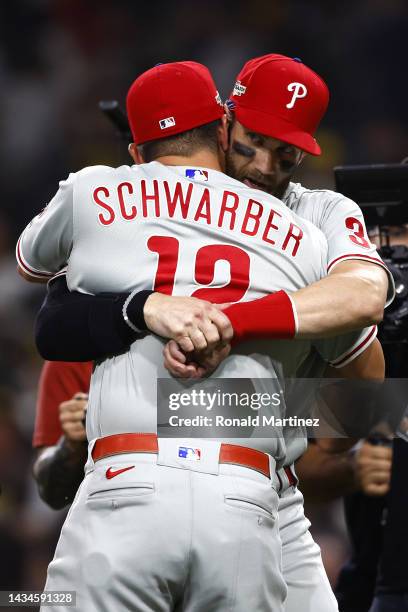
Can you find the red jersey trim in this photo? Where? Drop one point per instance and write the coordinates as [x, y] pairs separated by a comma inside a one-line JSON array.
[[353, 352], [62, 272], [375, 260], [24, 265]]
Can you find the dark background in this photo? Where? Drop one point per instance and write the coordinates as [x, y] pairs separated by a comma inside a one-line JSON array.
[[57, 60]]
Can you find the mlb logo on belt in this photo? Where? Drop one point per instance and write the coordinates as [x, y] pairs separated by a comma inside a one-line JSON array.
[[193, 454], [167, 123], [196, 174]]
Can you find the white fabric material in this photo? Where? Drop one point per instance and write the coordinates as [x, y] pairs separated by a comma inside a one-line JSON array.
[[164, 539], [82, 217], [102, 222], [100, 225], [309, 589], [342, 223]]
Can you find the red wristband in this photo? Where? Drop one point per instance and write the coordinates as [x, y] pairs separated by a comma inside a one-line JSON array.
[[272, 316]]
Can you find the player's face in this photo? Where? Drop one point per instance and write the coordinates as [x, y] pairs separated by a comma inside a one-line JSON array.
[[259, 161]]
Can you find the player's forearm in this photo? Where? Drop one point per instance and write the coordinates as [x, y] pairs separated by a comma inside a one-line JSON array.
[[59, 471], [324, 476], [352, 297], [79, 327], [368, 366], [328, 468], [73, 326]]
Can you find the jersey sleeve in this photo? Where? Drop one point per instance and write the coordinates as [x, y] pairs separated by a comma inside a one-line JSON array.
[[44, 246], [344, 227], [341, 350], [59, 381]]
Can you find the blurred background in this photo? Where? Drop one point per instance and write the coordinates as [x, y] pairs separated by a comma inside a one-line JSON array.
[[57, 60]]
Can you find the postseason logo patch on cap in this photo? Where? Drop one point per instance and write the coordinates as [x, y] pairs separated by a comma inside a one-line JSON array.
[[239, 89], [197, 175], [167, 123], [193, 454]]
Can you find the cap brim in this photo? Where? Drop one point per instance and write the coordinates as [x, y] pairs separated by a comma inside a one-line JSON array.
[[278, 128]]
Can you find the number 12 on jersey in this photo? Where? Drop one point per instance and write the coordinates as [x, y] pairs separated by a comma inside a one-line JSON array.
[[168, 251]]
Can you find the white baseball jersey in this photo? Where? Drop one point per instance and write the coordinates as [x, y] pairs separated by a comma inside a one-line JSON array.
[[182, 231], [342, 223]]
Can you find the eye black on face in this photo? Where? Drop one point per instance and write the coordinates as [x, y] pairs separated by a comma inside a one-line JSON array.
[[282, 149], [242, 149]]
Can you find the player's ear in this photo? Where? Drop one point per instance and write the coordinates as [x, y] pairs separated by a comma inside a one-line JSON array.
[[135, 154], [301, 157], [223, 133], [228, 112]]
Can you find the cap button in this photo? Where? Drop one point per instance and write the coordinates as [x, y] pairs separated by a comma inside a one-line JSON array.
[[297, 59], [159, 64]]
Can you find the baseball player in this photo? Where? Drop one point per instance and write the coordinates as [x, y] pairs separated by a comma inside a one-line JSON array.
[[355, 254], [272, 97], [158, 199], [256, 156]]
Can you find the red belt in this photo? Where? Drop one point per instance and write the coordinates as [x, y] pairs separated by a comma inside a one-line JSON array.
[[147, 443], [290, 476]]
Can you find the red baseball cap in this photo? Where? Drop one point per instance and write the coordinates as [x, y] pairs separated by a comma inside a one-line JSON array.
[[280, 97], [172, 98]]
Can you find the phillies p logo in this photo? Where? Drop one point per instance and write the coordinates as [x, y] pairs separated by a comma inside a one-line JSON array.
[[299, 91]]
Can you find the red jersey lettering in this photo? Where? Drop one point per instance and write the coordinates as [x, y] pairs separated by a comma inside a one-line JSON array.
[[103, 219], [239, 263], [133, 212], [204, 210], [228, 208], [178, 197], [270, 226], [154, 197], [167, 249], [296, 233], [255, 216]]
